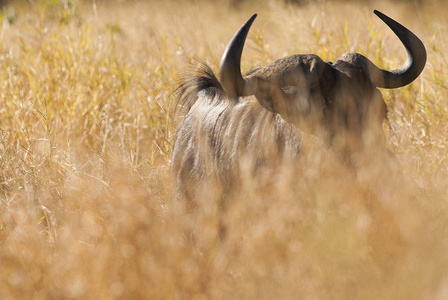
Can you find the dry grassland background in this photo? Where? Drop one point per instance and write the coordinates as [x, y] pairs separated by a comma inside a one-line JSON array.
[[87, 127]]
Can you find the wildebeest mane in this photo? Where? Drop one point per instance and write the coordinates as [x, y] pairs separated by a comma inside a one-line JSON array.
[[203, 78]]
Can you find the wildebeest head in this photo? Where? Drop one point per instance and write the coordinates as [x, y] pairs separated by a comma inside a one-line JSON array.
[[340, 97]]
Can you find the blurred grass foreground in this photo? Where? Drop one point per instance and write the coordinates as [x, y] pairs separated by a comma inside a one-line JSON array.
[[88, 121]]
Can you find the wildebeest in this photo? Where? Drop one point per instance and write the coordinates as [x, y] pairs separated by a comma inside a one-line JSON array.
[[260, 120]]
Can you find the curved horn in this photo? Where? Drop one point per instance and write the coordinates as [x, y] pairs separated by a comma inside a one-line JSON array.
[[415, 58], [230, 67]]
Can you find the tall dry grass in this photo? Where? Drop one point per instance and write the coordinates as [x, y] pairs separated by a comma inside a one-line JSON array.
[[87, 130]]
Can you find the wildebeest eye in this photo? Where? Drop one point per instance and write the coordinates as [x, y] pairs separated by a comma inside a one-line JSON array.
[[290, 89]]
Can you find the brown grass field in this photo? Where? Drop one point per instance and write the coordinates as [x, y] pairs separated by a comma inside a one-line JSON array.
[[88, 122]]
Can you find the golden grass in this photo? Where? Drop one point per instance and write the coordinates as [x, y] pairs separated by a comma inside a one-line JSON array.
[[87, 130]]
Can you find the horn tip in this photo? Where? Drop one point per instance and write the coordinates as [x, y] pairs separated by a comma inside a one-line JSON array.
[[380, 14], [251, 19]]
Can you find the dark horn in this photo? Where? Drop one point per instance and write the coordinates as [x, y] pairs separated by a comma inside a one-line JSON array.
[[230, 67], [415, 58]]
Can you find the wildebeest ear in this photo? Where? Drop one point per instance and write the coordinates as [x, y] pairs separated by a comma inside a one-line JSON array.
[[292, 89], [270, 95], [287, 101]]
